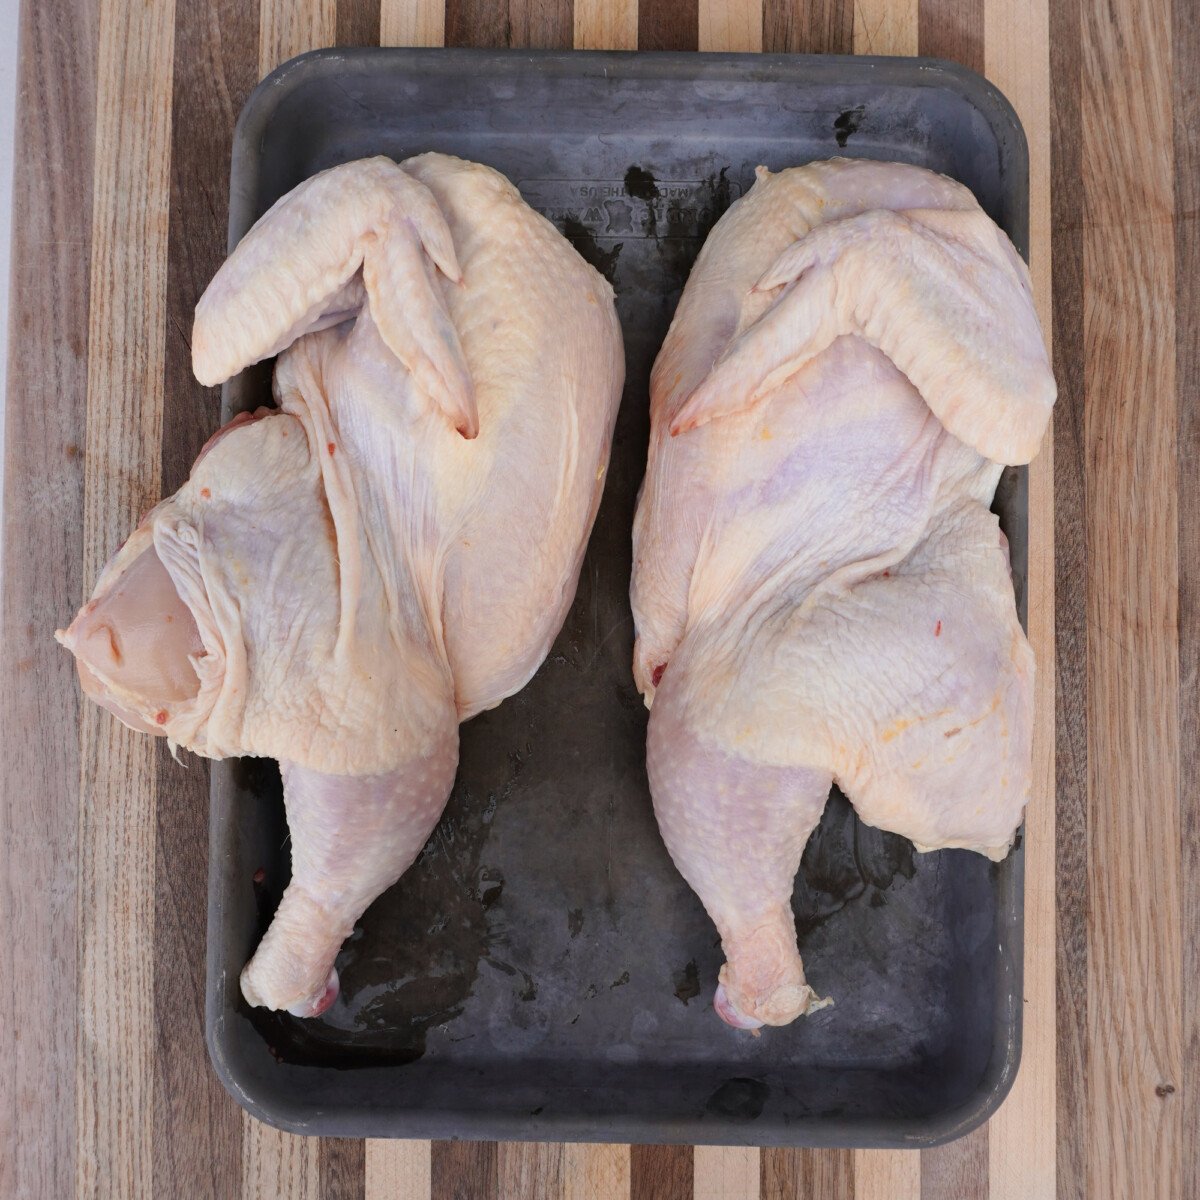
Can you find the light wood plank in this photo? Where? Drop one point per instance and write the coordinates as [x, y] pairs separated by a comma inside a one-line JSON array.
[[412, 22], [530, 1169], [397, 1170], [606, 24], [278, 1166], [885, 26], [126, 330], [1023, 1138], [595, 1172], [887, 1175], [1134, 931], [731, 25], [290, 27], [726, 1173]]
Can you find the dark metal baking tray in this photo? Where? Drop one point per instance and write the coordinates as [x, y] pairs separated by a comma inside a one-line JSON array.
[[542, 971]]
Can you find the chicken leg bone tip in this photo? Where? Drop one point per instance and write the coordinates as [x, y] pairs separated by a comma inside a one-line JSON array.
[[321, 1003], [729, 1014]]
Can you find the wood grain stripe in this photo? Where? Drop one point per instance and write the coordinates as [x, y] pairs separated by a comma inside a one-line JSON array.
[[465, 1171], [596, 1172], [530, 1169], [957, 1171], [1185, 51], [661, 1173], [1134, 984], [885, 26], [412, 22], [43, 525], [358, 22], [277, 1166], [606, 24], [342, 1168], [538, 24], [808, 26], [799, 1174], [668, 24], [290, 27], [731, 25], [126, 329], [952, 29], [197, 1127], [1071, 635], [726, 1173], [1021, 1144], [398, 1170], [887, 1175]]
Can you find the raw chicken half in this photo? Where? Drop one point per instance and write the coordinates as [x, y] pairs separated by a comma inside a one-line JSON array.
[[820, 592], [346, 578]]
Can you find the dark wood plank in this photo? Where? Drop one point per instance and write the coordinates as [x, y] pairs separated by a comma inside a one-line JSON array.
[[803, 1174], [536, 24], [358, 22], [661, 1173], [464, 1171], [1185, 53], [43, 585], [957, 1171], [343, 1168], [1135, 909], [1070, 597], [198, 1127], [808, 26], [668, 24], [952, 29]]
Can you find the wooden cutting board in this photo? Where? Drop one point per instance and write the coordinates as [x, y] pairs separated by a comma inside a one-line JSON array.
[[126, 112]]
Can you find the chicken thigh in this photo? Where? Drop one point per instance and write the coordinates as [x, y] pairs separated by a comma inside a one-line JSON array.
[[820, 592], [342, 580]]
